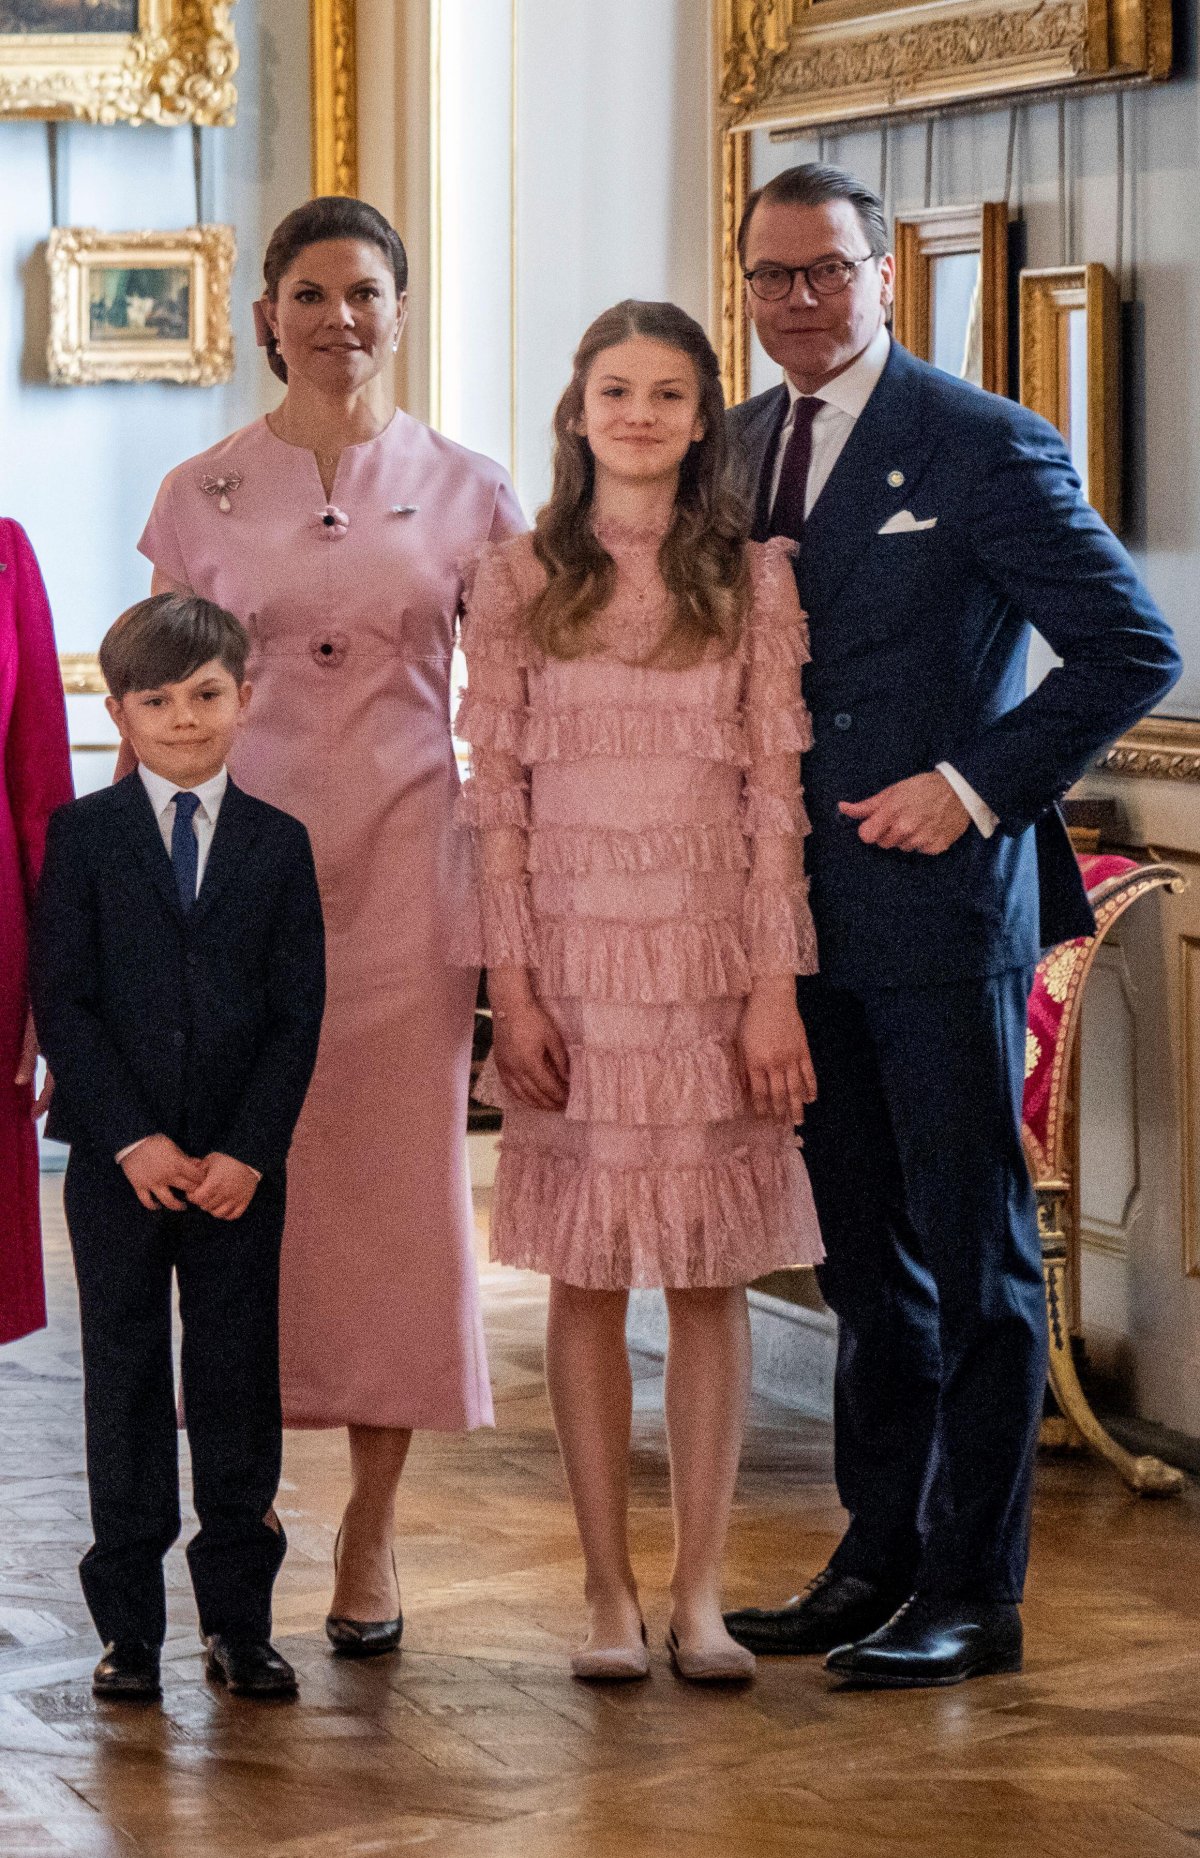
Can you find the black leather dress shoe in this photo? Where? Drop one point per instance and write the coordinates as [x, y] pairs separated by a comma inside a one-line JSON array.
[[128, 1672], [249, 1667], [932, 1642], [833, 1609]]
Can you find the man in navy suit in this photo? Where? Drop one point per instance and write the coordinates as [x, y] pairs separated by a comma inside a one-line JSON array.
[[178, 977], [936, 525]]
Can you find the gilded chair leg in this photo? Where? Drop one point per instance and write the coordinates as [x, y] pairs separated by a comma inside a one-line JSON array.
[[1148, 1477]]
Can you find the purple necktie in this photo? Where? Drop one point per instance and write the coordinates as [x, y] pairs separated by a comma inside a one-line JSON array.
[[787, 512]]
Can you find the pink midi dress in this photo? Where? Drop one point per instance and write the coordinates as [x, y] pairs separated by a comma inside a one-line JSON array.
[[37, 778], [351, 605], [639, 840]]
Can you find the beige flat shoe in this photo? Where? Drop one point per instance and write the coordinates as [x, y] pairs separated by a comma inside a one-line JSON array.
[[735, 1666], [617, 1664]]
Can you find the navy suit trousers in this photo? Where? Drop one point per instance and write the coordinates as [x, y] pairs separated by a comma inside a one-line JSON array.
[[228, 1274], [933, 1270]]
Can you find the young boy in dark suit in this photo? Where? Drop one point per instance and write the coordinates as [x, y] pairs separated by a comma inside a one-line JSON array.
[[178, 975]]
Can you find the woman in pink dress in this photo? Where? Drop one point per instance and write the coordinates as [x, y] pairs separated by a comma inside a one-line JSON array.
[[636, 722], [337, 536], [37, 778]]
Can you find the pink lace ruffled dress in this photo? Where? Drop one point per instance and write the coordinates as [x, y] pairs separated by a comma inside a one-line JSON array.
[[639, 839]]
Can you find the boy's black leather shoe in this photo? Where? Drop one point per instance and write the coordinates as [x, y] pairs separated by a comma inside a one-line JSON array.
[[128, 1673], [933, 1642], [249, 1667]]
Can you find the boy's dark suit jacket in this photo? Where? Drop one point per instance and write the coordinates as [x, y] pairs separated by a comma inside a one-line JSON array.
[[203, 1026], [919, 648]]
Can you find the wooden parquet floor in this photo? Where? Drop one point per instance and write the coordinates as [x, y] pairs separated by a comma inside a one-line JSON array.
[[476, 1744]]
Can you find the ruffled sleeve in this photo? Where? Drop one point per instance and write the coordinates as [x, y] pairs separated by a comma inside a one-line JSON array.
[[778, 925], [495, 799]]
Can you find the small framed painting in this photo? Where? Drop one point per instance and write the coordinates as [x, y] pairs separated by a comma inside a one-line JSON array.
[[140, 306], [109, 61], [1070, 371], [952, 290]]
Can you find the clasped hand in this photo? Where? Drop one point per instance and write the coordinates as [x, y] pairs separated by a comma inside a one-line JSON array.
[[920, 814], [161, 1175]]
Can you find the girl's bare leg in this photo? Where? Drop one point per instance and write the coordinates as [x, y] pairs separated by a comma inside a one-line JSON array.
[[591, 1396], [707, 1390]]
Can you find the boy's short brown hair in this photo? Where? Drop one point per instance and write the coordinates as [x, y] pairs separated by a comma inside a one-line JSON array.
[[166, 638]]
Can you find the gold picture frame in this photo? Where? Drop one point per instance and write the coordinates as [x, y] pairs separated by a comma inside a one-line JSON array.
[[952, 290], [140, 306], [802, 64], [176, 66], [1070, 320], [332, 27]]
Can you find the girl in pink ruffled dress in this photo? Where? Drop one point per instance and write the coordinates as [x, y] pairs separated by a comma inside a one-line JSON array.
[[636, 723]]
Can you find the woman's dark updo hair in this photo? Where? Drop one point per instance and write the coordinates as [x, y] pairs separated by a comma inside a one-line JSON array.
[[329, 216]]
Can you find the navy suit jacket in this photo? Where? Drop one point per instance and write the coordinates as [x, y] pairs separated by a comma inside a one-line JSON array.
[[919, 648], [203, 1026]]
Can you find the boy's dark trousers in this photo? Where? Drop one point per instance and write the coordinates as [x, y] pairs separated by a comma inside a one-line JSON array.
[[228, 1272]]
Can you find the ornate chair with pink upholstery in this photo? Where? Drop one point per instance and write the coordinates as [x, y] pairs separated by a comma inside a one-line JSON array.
[[1051, 1137]]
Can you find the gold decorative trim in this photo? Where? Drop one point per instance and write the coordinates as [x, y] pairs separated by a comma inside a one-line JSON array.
[[735, 324], [81, 674], [799, 64], [936, 232], [1189, 1098], [201, 359], [1157, 749], [178, 67], [334, 97], [1048, 299]]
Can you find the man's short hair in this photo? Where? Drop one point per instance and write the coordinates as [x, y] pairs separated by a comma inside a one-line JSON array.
[[166, 638], [816, 183]]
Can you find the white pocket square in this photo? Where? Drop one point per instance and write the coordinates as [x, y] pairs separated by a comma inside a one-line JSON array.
[[905, 523]]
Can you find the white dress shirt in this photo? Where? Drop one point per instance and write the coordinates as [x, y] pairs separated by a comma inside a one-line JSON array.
[[162, 793], [210, 794], [844, 398]]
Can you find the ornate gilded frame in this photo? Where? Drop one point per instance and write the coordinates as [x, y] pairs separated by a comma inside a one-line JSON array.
[[178, 67], [1047, 300], [811, 63], [332, 26], [938, 232], [203, 359]]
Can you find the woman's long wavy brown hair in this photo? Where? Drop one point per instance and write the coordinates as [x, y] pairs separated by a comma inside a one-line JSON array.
[[703, 554]]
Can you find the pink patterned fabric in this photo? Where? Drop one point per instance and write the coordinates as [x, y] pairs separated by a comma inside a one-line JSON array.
[[352, 628], [639, 842], [37, 778]]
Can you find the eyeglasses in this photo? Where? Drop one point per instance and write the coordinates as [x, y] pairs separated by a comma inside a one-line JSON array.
[[827, 279]]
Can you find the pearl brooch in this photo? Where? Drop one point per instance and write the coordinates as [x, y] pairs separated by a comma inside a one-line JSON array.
[[220, 488]]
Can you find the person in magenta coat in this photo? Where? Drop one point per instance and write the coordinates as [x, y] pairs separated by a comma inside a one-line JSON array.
[[37, 778]]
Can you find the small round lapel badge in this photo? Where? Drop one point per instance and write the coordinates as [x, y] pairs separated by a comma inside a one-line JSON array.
[[895, 479]]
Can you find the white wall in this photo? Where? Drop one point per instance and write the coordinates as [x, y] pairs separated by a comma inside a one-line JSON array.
[[603, 151], [79, 465]]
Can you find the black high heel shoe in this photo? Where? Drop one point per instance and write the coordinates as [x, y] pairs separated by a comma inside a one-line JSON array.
[[363, 1638]]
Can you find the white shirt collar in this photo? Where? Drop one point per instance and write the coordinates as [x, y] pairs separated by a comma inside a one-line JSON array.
[[162, 792], [850, 390]]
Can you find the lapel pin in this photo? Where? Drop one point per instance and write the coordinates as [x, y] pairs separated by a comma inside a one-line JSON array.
[[404, 509], [895, 479]]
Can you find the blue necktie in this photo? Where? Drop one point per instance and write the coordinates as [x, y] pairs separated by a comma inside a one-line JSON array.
[[185, 852]]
